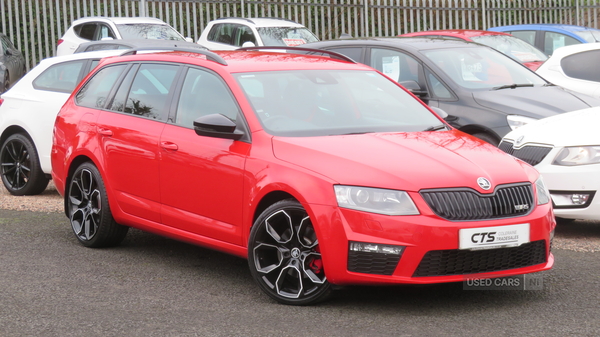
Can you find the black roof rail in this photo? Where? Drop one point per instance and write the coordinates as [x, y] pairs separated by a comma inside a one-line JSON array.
[[209, 55], [309, 51]]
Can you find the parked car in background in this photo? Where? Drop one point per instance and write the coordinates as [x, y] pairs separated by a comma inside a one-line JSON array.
[[565, 149], [575, 67], [549, 37], [27, 114], [12, 63], [115, 28], [318, 171], [134, 44], [485, 93], [233, 33], [510, 45]]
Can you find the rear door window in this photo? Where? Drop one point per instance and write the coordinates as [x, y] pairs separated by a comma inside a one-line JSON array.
[[86, 30], [146, 92], [95, 92]]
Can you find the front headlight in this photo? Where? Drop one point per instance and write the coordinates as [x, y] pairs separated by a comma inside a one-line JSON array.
[[517, 121], [543, 195], [578, 155], [375, 200]]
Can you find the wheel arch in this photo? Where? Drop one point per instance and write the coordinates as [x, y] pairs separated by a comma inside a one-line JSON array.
[[268, 200], [475, 128], [13, 129]]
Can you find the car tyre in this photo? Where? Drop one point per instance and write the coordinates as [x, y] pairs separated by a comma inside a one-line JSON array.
[[89, 211], [20, 166], [487, 138], [284, 255]]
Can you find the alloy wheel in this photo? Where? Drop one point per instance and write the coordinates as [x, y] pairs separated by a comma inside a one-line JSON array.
[[16, 164], [285, 257]]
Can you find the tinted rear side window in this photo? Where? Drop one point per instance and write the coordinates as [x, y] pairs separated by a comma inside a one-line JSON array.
[[148, 94], [583, 66], [86, 31], [94, 93], [62, 77]]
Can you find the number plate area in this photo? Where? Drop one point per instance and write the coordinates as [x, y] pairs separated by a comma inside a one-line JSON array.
[[493, 237]]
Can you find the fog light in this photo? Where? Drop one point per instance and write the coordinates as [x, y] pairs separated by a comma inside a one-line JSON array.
[[564, 199], [376, 248]]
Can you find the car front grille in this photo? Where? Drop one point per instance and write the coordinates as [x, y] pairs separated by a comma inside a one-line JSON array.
[[467, 204], [372, 263], [532, 155], [458, 262]]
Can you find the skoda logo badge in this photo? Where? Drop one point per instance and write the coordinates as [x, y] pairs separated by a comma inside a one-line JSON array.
[[519, 141], [484, 183]]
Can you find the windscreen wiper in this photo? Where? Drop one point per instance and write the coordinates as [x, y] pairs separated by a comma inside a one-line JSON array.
[[436, 127], [512, 86]]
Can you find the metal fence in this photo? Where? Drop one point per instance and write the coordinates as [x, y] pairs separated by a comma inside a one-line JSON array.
[[36, 25]]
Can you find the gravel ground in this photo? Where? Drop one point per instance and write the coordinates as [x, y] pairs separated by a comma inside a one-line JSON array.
[[581, 236]]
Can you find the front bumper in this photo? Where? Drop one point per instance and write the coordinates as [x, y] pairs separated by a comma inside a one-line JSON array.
[[568, 180], [431, 247]]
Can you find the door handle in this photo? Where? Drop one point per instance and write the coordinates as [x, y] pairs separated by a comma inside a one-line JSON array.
[[105, 132], [169, 146]]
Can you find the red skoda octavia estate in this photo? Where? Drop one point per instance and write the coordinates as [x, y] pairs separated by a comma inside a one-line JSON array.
[[318, 170]]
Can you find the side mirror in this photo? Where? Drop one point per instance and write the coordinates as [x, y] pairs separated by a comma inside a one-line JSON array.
[[108, 38], [414, 87], [217, 126], [439, 111], [248, 44], [189, 39]]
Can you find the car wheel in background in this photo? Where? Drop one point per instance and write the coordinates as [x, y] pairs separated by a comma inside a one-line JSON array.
[[20, 166], [89, 211], [486, 137], [284, 255]]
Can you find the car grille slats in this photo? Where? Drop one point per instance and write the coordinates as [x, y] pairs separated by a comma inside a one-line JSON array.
[[459, 262], [372, 263], [530, 154], [467, 204]]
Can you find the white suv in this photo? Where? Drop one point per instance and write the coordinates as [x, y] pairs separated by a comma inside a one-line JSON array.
[[233, 33], [104, 28], [27, 114]]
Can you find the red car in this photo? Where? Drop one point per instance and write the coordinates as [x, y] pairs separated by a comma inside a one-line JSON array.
[[510, 45], [320, 171]]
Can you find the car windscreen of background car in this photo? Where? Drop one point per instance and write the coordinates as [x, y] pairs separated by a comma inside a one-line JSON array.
[[327, 102], [285, 36], [512, 46], [148, 31], [481, 68]]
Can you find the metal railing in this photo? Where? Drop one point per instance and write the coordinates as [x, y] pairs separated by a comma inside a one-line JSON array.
[[36, 25]]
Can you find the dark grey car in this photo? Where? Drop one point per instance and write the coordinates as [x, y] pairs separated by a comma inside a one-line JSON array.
[[12, 63], [484, 92], [134, 44]]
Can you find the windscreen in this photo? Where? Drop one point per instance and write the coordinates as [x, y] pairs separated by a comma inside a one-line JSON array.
[[513, 47], [481, 68], [326, 102], [149, 31], [286, 36]]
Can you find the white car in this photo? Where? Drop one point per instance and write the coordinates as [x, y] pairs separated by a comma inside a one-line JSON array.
[[575, 68], [27, 114], [565, 149], [115, 28], [233, 33]]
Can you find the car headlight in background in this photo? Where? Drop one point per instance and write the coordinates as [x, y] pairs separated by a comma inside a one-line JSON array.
[[578, 155], [375, 200], [517, 121], [543, 195]]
